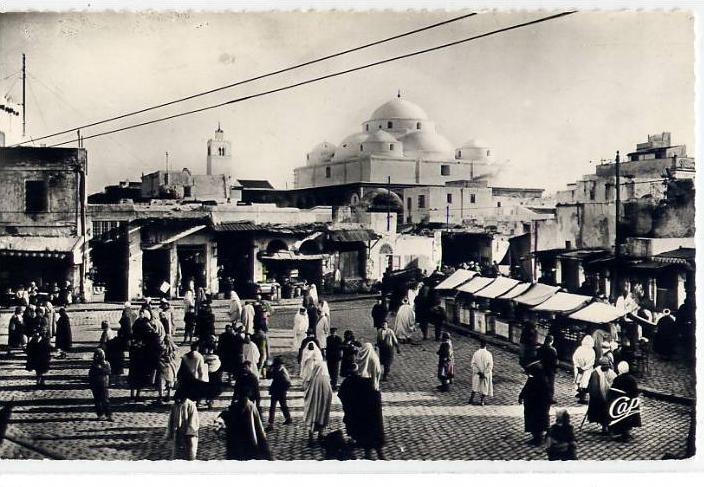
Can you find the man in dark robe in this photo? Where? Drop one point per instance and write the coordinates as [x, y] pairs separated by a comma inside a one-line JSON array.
[[261, 315], [438, 318], [421, 309], [247, 385], [535, 397], [666, 335], [313, 316], [623, 404], [363, 418], [350, 348], [379, 312], [547, 355], [205, 323], [528, 344], [333, 355], [245, 438], [227, 353]]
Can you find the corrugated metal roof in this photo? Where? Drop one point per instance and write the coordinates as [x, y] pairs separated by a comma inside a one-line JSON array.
[[236, 227], [288, 255], [458, 277], [677, 256]]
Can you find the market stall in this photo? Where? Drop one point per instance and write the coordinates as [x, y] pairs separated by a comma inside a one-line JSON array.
[[468, 311], [551, 317], [536, 294], [446, 291], [486, 303]]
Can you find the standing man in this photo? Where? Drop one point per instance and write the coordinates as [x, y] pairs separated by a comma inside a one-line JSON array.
[[536, 403], [183, 428], [405, 322], [248, 318], [438, 318], [262, 311], [583, 363], [300, 327], [379, 312], [482, 373], [599, 384], [624, 389], [280, 384], [547, 355], [421, 308], [167, 318], [333, 355], [322, 329], [386, 342]]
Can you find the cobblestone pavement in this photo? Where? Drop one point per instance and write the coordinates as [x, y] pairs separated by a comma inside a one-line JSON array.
[[420, 422]]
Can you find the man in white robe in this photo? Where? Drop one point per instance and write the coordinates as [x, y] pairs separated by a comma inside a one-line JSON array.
[[235, 311], [405, 322], [482, 370], [322, 330], [583, 363], [300, 327], [248, 319], [250, 353]]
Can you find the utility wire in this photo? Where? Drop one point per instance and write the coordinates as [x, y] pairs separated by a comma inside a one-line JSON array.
[[262, 76], [320, 78]]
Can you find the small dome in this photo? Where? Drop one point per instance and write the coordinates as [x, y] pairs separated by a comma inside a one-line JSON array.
[[474, 144], [321, 153], [421, 143], [398, 108], [349, 147], [381, 136]]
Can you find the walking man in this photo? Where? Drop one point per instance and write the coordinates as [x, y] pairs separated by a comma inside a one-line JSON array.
[[386, 342], [379, 312], [547, 355], [280, 384], [482, 368], [333, 355]]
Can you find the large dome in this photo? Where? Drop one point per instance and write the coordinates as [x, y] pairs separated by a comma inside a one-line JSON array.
[[399, 108], [421, 143]]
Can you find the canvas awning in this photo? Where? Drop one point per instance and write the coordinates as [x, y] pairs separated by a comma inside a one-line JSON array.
[[563, 303], [173, 238], [500, 286], [537, 294], [597, 313], [476, 284], [287, 255], [60, 248], [460, 276], [516, 291]]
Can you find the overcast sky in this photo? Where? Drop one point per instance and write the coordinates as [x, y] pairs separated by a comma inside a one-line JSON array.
[[548, 98]]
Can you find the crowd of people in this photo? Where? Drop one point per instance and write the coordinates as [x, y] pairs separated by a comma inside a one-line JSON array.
[[144, 347]]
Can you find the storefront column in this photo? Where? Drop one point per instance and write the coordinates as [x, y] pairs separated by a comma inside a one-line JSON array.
[[558, 272], [681, 291], [173, 271], [580, 275]]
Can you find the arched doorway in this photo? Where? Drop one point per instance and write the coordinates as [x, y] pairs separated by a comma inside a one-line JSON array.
[[386, 257], [276, 245]]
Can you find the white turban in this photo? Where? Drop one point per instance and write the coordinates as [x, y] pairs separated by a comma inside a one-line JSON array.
[[623, 367]]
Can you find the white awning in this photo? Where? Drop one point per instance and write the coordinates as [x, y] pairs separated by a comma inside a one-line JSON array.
[[476, 284], [516, 291], [460, 276], [500, 286], [598, 313], [563, 303], [538, 293]]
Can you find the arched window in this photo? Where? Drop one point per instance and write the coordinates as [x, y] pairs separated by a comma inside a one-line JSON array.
[[418, 125], [386, 249], [361, 147], [208, 150], [391, 147], [389, 125], [366, 128]]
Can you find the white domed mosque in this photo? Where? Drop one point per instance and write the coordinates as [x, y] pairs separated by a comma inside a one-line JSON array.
[[398, 141]]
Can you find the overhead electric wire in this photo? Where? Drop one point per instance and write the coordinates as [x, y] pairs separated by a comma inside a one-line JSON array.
[[262, 76], [321, 78]]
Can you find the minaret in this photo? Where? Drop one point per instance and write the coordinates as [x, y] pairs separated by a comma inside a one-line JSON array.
[[219, 155]]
